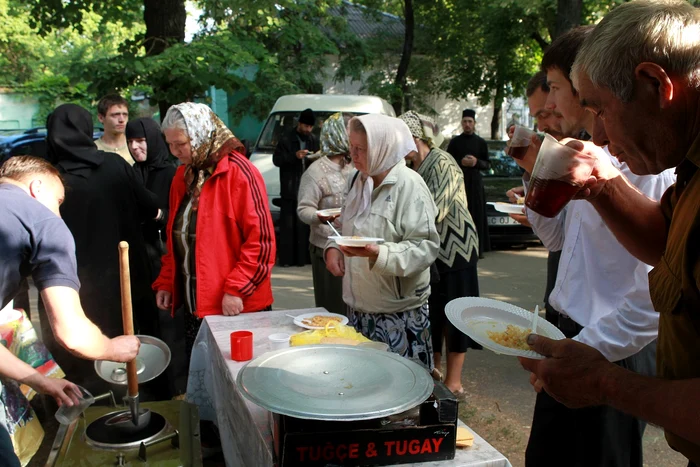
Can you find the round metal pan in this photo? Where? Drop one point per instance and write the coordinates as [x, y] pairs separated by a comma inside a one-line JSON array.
[[334, 382], [152, 360]]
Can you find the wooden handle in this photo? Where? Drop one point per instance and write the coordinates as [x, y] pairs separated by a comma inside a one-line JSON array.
[[127, 313]]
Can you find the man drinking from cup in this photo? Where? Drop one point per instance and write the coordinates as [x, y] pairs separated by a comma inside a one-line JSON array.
[[548, 121], [601, 292], [648, 106]]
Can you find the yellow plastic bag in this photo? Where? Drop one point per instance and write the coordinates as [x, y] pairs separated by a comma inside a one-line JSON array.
[[333, 333]]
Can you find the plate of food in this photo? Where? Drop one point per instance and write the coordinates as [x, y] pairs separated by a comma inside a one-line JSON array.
[[499, 326], [319, 320], [329, 212], [345, 240], [507, 208]]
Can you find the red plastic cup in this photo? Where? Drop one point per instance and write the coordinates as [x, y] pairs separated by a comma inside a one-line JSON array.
[[241, 346], [559, 173]]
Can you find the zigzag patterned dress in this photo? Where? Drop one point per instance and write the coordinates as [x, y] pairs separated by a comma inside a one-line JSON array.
[[459, 246]]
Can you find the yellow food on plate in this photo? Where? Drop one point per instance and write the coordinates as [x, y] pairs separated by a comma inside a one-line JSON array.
[[520, 200], [514, 337], [332, 334], [320, 321]]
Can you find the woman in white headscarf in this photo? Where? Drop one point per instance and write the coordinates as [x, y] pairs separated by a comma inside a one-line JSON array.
[[386, 286]]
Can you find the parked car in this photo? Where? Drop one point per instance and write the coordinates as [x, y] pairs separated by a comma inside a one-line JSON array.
[[503, 175], [283, 117], [31, 142]]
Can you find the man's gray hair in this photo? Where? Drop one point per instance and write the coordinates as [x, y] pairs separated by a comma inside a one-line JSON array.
[[174, 120], [664, 32]]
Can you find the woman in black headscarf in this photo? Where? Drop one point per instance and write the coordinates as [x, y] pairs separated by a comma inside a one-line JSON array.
[[105, 204], [157, 169]]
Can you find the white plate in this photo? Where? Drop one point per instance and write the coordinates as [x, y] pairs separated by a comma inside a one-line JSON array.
[[355, 241], [507, 208], [299, 319], [329, 212], [474, 316]]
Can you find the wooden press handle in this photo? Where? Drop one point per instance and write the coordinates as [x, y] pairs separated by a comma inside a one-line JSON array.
[[127, 313]]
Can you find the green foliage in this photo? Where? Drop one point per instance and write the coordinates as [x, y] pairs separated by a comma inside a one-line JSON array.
[[51, 66], [496, 56], [283, 47], [289, 44], [51, 15], [181, 72], [80, 49]]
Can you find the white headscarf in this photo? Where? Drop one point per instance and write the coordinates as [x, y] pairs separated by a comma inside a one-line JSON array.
[[388, 141]]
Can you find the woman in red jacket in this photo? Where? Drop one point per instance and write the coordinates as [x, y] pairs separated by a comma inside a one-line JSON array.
[[220, 238]]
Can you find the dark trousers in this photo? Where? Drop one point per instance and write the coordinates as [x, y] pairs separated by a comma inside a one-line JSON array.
[[8, 458], [293, 241], [328, 289], [552, 267], [592, 436]]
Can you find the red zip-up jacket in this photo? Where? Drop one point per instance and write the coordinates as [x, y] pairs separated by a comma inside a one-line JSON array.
[[235, 239]]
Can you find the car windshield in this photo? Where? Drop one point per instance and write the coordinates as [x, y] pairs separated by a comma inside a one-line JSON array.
[[280, 122]]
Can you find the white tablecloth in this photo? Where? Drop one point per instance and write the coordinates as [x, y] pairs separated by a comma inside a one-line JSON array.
[[246, 436]]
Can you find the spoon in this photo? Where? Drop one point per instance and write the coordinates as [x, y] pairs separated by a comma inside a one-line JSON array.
[[534, 319], [335, 231]]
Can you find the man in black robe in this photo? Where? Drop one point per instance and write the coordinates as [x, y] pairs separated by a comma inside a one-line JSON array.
[[472, 155], [289, 156]]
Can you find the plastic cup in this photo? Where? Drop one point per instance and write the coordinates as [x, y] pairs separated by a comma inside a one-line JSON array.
[[559, 173], [519, 142], [279, 341], [67, 415], [241, 346]]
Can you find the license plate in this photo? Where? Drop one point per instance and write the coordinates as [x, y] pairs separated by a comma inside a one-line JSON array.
[[502, 220]]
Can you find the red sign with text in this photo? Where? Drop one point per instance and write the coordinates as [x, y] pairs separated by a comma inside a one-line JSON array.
[[370, 447]]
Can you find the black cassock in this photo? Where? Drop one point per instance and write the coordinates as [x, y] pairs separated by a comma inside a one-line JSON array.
[[293, 241], [464, 145]]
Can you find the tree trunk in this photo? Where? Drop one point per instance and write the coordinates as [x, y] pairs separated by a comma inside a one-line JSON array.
[[497, 110], [569, 15], [165, 25], [402, 72]]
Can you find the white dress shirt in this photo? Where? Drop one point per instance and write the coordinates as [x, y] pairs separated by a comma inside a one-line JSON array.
[[600, 285]]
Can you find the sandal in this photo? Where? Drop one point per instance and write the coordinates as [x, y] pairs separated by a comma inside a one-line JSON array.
[[437, 374], [461, 394]]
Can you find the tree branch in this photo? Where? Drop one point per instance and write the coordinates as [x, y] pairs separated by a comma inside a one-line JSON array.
[[540, 40]]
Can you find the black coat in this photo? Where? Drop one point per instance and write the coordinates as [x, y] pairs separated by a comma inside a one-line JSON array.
[[291, 167], [464, 145], [157, 173]]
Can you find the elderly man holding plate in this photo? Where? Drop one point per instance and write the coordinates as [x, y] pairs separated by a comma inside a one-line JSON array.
[[386, 285]]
